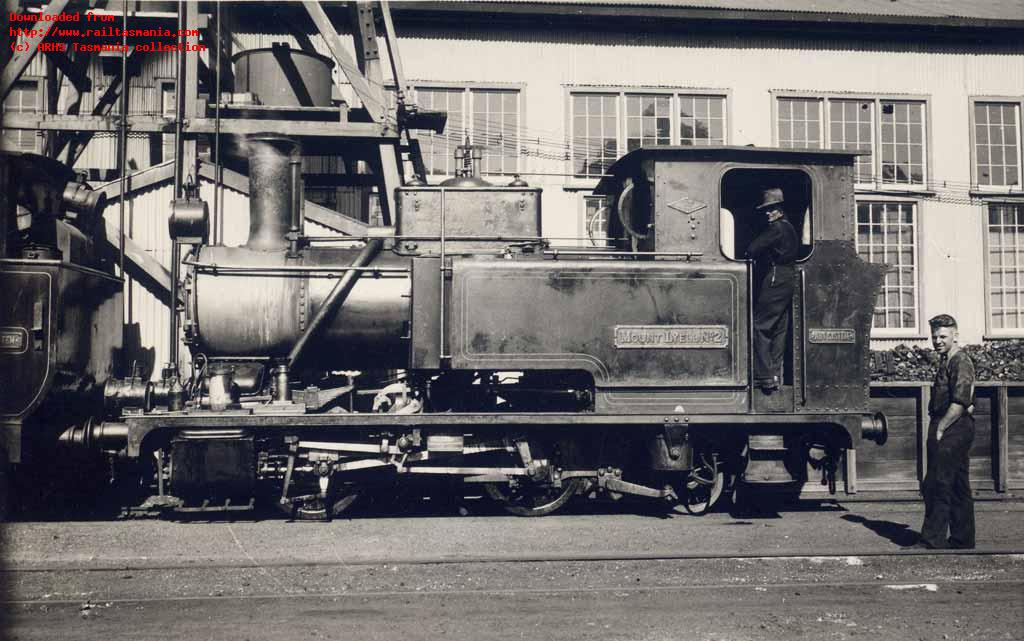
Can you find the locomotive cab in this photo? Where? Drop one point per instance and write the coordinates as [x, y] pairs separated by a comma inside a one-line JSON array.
[[700, 203]]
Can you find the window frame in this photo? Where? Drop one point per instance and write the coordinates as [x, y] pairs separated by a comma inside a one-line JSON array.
[[876, 184], [467, 88], [915, 332], [990, 331], [583, 229], [166, 140], [40, 93], [572, 180], [988, 190]]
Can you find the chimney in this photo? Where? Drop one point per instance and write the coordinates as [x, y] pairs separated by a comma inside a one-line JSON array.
[[270, 190]]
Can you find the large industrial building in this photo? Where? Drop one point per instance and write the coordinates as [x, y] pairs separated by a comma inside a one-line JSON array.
[[930, 93]]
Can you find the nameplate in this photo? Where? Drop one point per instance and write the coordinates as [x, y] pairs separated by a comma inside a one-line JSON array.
[[832, 336], [671, 336], [13, 339]]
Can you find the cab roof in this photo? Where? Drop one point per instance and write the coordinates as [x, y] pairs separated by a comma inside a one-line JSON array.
[[629, 164]]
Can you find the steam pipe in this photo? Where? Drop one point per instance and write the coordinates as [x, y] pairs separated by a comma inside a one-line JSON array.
[[179, 178], [179, 110], [123, 142], [335, 299], [216, 236], [296, 219]]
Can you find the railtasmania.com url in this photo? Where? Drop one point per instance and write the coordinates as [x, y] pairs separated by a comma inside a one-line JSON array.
[[105, 32], [141, 47]]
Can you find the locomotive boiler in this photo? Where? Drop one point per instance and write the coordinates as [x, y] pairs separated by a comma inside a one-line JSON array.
[[461, 345]]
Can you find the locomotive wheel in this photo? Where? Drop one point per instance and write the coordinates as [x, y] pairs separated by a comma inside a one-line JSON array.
[[703, 487], [532, 499]]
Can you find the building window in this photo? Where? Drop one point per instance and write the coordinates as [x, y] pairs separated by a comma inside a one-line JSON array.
[[648, 121], [800, 122], [596, 220], [701, 120], [996, 144], [594, 133], [496, 127], [889, 134], [23, 99], [903, 143], [851, 127], [1006, 267], [488, 117], [887, 233], [168, 109], [608, 124]]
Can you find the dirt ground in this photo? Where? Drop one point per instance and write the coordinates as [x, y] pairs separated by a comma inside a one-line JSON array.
[[811, 572]]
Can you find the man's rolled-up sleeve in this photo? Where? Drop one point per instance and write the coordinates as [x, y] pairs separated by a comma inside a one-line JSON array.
[[961, 377]]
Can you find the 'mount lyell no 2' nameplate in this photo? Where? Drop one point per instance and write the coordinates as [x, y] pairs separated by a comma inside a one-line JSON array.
[[671, 336], [827, 336]]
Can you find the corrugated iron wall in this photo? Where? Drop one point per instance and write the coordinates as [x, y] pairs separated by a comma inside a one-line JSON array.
[[146, 215], [547, 63], [951, 267]]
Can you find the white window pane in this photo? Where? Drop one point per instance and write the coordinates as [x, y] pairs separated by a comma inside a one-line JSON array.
[[885, 234], [1006, 240]]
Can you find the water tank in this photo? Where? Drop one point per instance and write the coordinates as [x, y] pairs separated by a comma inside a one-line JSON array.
[[286, 77]]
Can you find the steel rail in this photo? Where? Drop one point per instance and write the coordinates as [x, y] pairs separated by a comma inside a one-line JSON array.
[[587, 589], [119, 565]]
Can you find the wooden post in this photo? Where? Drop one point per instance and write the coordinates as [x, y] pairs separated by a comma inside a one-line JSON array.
[[190, 159], [391, 179], [367, 93], [922, 431], [1001, 457]]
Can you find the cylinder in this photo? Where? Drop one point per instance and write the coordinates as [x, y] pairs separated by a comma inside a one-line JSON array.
[[270, 191], [123, 393]]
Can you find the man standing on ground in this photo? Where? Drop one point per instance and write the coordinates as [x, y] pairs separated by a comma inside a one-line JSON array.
[[775, 250], [947, 489]]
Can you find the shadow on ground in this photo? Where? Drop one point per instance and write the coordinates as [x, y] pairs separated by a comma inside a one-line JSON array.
[[898, 533]]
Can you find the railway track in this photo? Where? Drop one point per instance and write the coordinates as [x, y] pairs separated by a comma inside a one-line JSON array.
[[1013, 553], [894, 596]]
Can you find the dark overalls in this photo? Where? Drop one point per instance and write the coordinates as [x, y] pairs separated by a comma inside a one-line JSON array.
[[948, 503], [775, 251]]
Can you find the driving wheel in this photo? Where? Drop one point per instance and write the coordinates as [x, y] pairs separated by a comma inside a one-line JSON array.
[[703, 486], [529, 498]]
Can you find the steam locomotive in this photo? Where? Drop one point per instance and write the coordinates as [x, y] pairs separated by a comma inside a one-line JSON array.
[[461, 345]]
